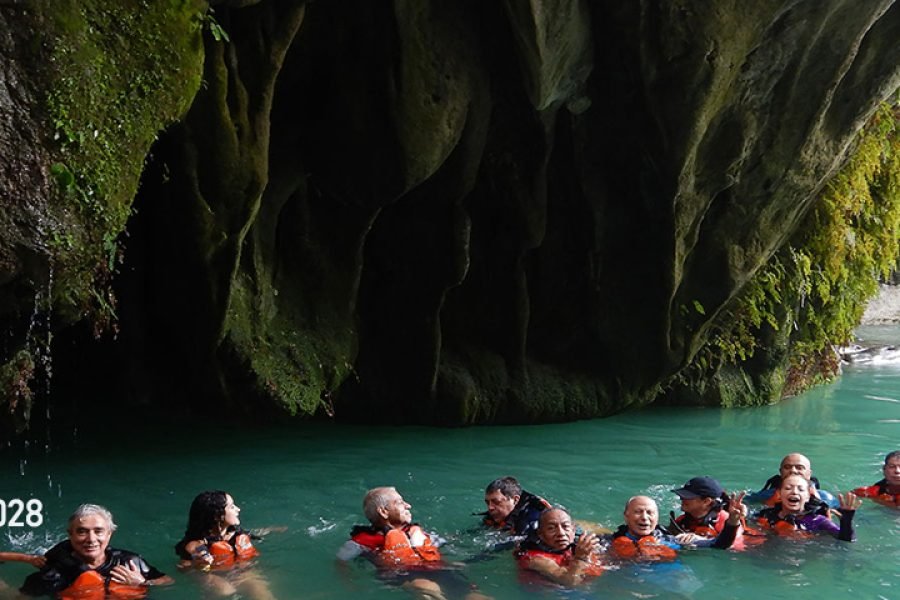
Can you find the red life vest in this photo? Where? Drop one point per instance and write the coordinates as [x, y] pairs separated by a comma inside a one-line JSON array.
[[409, 546], [91, 585], [878, 493], [226, 553], [710, 527], [647, 547], [563, 559], [782, 527]]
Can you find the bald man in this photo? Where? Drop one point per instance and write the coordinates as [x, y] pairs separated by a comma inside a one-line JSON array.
[[794, 464], [641, 538]]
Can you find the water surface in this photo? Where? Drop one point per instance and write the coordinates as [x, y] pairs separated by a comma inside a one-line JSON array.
[[312, 478]]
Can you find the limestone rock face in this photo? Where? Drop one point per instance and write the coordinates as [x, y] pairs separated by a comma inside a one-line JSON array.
[[461, 212]]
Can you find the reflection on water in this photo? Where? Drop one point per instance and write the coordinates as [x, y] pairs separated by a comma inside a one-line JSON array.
[[312, 479]]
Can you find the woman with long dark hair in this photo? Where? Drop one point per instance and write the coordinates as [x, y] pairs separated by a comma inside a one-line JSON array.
[[215, 544]]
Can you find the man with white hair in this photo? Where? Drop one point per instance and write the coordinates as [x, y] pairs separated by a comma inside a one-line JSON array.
[[84, 564], [404, 553]]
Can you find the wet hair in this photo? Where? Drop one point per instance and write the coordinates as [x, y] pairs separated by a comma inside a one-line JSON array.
[[376, 499], [86, 510], [508, 486], [207, 511], [894, 454], [547, 511]]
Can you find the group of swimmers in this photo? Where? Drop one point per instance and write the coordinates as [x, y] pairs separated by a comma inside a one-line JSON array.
[[552, 547], [85, 567], [547, 543]]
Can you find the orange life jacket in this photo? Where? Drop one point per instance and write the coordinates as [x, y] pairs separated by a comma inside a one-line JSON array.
[[91, 585], [878, 493], [647, 547], [785, 528], [408, 546], [226, 553], [563, 559], [711, 526]]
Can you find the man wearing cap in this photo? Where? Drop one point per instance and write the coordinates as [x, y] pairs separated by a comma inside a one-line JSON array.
[[641, 539], [705, 505]]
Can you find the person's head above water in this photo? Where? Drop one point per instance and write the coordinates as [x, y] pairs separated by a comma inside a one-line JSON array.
[[795, 464], [700, 495], [501, 497], [385, 507], [555, 528], [210, 512], [891, 468], [794, 494], [641, 515], [90, 528]]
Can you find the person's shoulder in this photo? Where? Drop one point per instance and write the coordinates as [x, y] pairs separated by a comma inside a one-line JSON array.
[[367, 536], [533, 501], [772, 482], [61, 555]]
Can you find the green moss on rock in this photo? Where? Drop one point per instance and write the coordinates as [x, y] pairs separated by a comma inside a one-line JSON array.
[[116, 74], [776, 340]]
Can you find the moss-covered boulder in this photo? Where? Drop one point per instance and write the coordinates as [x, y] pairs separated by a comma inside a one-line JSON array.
[[88, 86], [461, 212]]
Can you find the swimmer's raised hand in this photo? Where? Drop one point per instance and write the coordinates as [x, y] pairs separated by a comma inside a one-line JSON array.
[[587, 544], [736, 508], [850, 501]]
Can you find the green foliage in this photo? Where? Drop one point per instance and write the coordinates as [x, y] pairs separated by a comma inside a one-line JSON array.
[[115, 75], [851, 239], [820, 282], [15, 390], [216, 30], [699, 307]]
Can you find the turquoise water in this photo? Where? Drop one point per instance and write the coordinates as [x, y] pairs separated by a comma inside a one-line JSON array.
[[311, 479]]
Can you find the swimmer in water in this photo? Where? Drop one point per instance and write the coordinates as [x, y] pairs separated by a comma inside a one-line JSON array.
[[641, 539], [403, 552], [510, 508], [887, 491], [215, 545], [85, 565], [795, 513], [705, 505], [554, 552], [794, 464]]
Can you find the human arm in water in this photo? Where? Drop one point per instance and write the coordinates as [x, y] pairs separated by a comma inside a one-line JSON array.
[[201, 558], [848, 505], [259, 533], [35, 560]]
